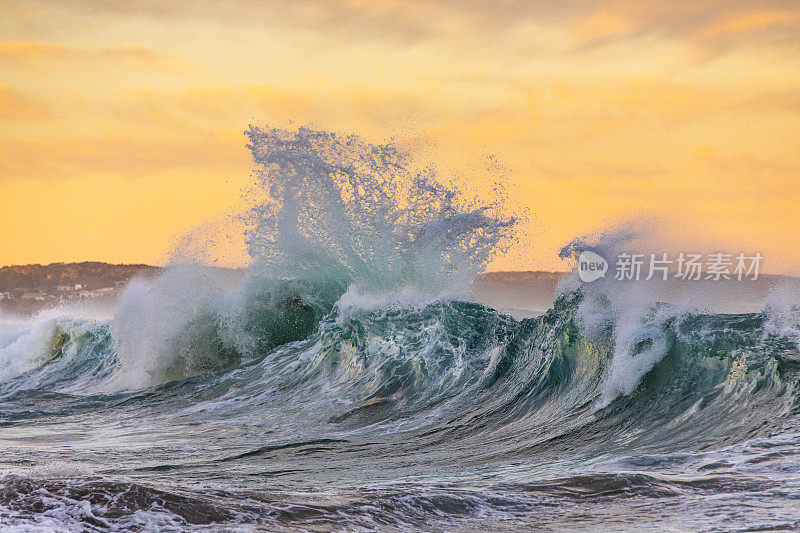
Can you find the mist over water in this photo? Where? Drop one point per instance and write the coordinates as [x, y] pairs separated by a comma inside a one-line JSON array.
[[348, 380]]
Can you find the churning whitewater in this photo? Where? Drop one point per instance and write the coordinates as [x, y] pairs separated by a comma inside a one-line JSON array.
[[347, 380]]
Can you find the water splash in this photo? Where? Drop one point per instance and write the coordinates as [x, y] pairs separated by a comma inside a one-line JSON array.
[[331, 214], [363, 213], [642, 328]]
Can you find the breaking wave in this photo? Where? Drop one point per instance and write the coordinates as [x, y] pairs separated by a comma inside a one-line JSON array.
[[352, 335]]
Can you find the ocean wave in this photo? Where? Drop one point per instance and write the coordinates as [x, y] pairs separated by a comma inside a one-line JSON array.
[[349, 356], [467, 369]]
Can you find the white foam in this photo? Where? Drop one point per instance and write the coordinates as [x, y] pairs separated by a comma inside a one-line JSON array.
[[150, 326], [26, 344], [782, 312], [630, 312]]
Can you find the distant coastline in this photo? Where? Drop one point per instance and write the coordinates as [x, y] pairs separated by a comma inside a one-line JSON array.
[[29, 289]]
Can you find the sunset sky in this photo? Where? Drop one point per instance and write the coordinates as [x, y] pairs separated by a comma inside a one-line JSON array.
[[121, 123]]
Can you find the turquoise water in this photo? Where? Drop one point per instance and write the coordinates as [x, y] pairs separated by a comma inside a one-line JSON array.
[[450, 415]]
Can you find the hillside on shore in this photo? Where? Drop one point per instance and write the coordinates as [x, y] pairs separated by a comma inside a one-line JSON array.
[[28, 289], [89, 274]]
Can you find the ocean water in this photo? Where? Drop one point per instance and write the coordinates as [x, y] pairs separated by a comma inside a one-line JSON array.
[[350, 382]]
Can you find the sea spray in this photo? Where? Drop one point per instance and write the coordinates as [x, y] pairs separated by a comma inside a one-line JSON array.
[[782, 312], [30, 343], [330, 215], [642, 328], [643, 318], [353, 212], [173, 325]]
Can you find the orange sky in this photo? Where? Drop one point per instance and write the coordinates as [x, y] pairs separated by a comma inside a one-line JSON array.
[[121, 122]]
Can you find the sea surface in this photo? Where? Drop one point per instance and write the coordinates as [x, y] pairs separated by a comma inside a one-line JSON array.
[[350, 382]]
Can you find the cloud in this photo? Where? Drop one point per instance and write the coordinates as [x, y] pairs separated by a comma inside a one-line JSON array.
[[422, 19], [752, 21], [602, 25], [373, 111], [62, 157], [17, 105], [35, 53]]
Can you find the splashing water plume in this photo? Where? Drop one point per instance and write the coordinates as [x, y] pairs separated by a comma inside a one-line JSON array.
[[363, 213], [331, 214]]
